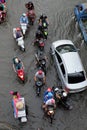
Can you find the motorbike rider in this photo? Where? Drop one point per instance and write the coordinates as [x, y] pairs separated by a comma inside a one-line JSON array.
[[43, 21], [18, 64], [38, 36], [15, 94], [40, 58], [18, 33], [60, 94], [16, 100], [48, 96], [51, 103], [40, 75], [24, 19], [2, 1], [1, 7], [30, 5]]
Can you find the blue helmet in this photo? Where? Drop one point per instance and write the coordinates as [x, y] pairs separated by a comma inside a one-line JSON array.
[[50, 95]]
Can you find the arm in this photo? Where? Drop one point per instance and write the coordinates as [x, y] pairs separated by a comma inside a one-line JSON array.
[[14, 68], [22, 65]]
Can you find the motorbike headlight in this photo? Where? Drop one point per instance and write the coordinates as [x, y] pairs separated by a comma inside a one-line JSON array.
[[50, 111]]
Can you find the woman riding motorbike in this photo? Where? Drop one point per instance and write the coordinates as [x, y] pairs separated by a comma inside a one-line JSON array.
[[40, 76], [17, 64], [43, 21], [18, 33], [24, 19], [29, 5], [41, 60], [61, 96]]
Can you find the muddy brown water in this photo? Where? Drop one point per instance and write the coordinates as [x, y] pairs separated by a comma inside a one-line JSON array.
[[62, 26]]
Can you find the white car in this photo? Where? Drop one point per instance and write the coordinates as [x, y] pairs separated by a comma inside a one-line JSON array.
[[69, 66]]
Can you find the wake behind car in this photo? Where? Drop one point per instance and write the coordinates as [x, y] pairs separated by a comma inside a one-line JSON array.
[[69, 66], [80, 12]]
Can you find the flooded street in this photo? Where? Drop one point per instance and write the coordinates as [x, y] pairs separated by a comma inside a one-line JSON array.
[[62, 26]]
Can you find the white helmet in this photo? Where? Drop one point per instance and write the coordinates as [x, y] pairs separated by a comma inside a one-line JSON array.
[[24, 14], [16, 60], [64, 94], [56, 89]]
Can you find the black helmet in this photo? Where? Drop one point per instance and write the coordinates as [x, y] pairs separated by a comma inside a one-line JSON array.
[[43, 15]]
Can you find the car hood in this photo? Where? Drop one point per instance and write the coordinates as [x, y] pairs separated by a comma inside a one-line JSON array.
[[72, 62], [61, 42]]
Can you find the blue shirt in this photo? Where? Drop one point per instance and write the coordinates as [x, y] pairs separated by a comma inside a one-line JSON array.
[[24, 20]]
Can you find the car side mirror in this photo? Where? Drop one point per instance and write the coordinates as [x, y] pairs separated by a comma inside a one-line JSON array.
[[51, 51]]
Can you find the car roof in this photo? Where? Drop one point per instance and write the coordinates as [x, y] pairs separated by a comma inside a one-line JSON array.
[[61, 42], [72, 62], [74, 65]]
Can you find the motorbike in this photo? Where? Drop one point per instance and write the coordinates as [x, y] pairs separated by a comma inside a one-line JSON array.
[[38, 85], [19, 108], [24, 27], [44, 29], [20, 72], [20, 41], [41, 63], [31, 15], [40, 43], [62, 100], [2, 16], [45, 33], [49, 112]]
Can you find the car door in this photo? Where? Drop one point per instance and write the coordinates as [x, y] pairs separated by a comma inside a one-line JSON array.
[[60, 68]]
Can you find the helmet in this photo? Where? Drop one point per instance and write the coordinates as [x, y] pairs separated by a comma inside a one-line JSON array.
[[52, 101], [16, 60], [18, 29], [56, 89], [64, 94], [24, 14], [40, 72], [49, 90], [50, 95], [43, 15], [30, 2]]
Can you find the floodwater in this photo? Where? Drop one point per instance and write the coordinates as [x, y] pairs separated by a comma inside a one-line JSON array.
[[62, 26]]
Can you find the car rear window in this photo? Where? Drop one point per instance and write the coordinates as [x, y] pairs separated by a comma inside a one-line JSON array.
[[76, 77], [66, 48]]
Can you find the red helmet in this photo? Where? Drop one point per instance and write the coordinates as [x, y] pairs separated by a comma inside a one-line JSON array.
[[18, 29], [40, 72], [49, 89]]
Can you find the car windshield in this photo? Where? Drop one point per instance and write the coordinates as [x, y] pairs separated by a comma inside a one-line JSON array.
[[76, 77], [66, 48]]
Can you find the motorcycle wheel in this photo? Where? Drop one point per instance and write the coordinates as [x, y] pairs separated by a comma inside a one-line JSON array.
[[51, 118], [38, 91]]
